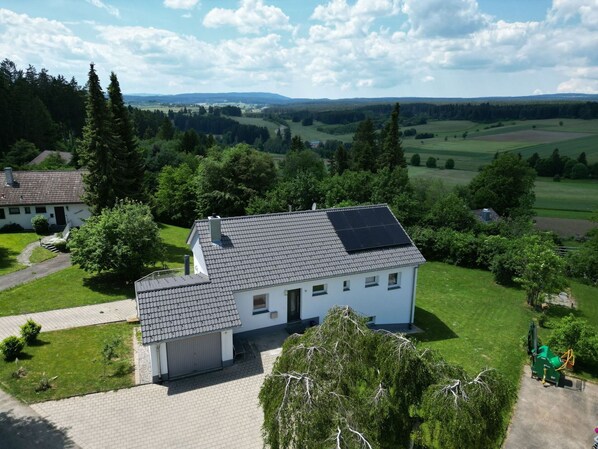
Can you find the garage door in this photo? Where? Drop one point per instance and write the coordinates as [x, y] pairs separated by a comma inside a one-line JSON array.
[[194, 355]]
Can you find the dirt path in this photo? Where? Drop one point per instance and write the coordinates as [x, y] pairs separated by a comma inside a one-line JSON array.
[[23, 258]]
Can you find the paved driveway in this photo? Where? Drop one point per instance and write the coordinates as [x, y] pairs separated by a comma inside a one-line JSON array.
[[549, 417], [216, 410]]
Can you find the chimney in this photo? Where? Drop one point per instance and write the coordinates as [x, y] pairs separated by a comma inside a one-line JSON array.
[[486, 215], [214, 227], [187, 270], [8, 175]]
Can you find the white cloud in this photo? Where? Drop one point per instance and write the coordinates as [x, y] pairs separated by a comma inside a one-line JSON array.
[[428, 79], [579, 85], [112, 10], [250, 18], [181, 4], [444, 18]]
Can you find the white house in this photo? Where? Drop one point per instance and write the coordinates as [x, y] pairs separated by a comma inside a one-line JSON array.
[[270, 271], [56, 194]]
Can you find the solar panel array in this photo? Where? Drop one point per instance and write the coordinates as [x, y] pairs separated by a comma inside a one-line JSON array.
[[361, 229]]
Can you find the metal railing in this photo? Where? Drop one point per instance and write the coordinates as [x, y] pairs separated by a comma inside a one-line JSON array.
[[66, 231], [564, 250], [161, 274]]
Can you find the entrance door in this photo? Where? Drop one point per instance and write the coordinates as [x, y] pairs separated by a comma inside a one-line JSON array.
[[293, 305], [60, 218]]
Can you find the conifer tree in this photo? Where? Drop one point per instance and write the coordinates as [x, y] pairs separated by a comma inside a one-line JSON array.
[[364, 147], [128, 161], [341, 159], [96, 150], [392, 154]]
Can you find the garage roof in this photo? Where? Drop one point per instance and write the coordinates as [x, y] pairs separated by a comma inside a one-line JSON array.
[[256, 251]]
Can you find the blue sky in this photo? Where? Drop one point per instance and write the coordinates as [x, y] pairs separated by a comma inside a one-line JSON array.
[[313, 48]]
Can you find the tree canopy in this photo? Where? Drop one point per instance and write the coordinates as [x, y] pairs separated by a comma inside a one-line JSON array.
[[342, 385]]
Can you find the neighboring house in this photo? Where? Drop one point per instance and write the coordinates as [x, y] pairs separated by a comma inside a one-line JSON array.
[[266, 271], [64, 155], [486, 215], [56, 194]]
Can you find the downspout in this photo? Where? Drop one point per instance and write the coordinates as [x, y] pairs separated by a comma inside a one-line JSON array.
[[412, 313], [159, 363]]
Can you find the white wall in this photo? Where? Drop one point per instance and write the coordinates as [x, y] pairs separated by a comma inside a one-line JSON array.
[[162, 358], [388, 306], [199, 263], [226, 339], [75, 213]]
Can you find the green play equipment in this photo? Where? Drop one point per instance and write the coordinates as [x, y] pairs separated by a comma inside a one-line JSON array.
[[545, 365]]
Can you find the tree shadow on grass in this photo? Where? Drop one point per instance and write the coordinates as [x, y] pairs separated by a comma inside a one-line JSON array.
[[39, 342], [110, 284], [24, 432], [434, 328], [175, 254], [7, 257], [123, 370]]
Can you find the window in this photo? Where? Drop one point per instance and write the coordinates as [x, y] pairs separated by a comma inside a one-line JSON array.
[[27, 210], [260, 304], [394, 280], [319, 289], [14, 210], [40, 209], [2, 215], [371, 281], [346, 285]]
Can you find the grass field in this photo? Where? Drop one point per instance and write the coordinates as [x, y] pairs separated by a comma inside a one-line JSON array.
[[73, 356], [73, 287], [476, 323], [40, 254], [11, 246]]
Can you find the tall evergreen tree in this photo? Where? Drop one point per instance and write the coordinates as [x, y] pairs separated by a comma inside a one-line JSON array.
[[128, 161], [392, 154], [364, 147], [96, 150], [341, 159]]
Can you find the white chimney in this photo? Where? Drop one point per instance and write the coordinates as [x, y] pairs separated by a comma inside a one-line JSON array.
[[214, 227], [486, 214], [8, 175]]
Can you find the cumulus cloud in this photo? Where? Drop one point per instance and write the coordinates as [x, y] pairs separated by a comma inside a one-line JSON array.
[[251, 17], [112, 10], [444, 18], [181, 4]]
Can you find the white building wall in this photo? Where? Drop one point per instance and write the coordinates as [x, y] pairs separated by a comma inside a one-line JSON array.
[[159, 356], [75, 213], [388, 306], [226, 339], [199, 262]]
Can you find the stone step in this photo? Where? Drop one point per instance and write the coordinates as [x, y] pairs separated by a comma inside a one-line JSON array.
[[50, 247]]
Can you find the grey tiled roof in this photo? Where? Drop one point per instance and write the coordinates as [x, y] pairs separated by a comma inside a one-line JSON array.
[[42, 187], [65, 156], [257, 251]]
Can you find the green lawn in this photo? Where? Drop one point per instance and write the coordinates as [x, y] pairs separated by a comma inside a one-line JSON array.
[[74, 287], [471, 320], [74, 356], [11, 246], [477, 323], [40, 254]]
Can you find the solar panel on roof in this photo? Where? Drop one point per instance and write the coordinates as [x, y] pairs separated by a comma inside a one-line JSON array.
[[361, 229]]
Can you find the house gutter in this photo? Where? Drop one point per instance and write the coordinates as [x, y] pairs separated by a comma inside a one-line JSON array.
[[413, 296], [159, 363]]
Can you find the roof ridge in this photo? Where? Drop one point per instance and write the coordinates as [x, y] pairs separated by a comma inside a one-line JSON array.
[[296, 212]]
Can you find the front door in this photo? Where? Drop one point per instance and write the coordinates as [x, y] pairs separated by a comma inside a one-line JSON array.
[[293, 305], [60, 218]]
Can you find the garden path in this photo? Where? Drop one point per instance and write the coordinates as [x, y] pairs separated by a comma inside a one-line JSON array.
[[23, 258], [53, 320], [36, 271]]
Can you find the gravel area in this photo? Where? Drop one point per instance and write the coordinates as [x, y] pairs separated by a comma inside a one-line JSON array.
[[143, 363]]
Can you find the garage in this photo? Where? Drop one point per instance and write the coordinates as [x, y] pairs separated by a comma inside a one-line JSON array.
[[194, 355]]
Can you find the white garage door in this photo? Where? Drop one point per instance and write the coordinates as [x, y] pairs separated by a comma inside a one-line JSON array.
[[194, 355]]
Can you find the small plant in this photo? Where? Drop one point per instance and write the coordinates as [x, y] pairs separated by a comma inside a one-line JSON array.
[[45, 383], [19, 373], [110, 352], [11, 347], [40, 225], [542, 319], [29, 331]]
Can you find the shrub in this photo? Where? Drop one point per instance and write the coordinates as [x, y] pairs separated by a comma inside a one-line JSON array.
[[40, 225], [556, 178], [19, 373], [11, 347], [577, 334], [45, 383], [431, 162], [449, 164], [30, 330], [579, 171], [415, 160], [11, 228]]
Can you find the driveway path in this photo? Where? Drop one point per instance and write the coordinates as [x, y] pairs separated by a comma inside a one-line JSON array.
[[36, 271], [217, 410], [23, 428], [52, 320], [550, 417]]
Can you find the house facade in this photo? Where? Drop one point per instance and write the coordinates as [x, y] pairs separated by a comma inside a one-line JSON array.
[[274, 271], [55, 194]]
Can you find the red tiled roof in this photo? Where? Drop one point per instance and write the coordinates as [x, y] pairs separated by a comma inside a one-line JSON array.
[[42, 187]]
